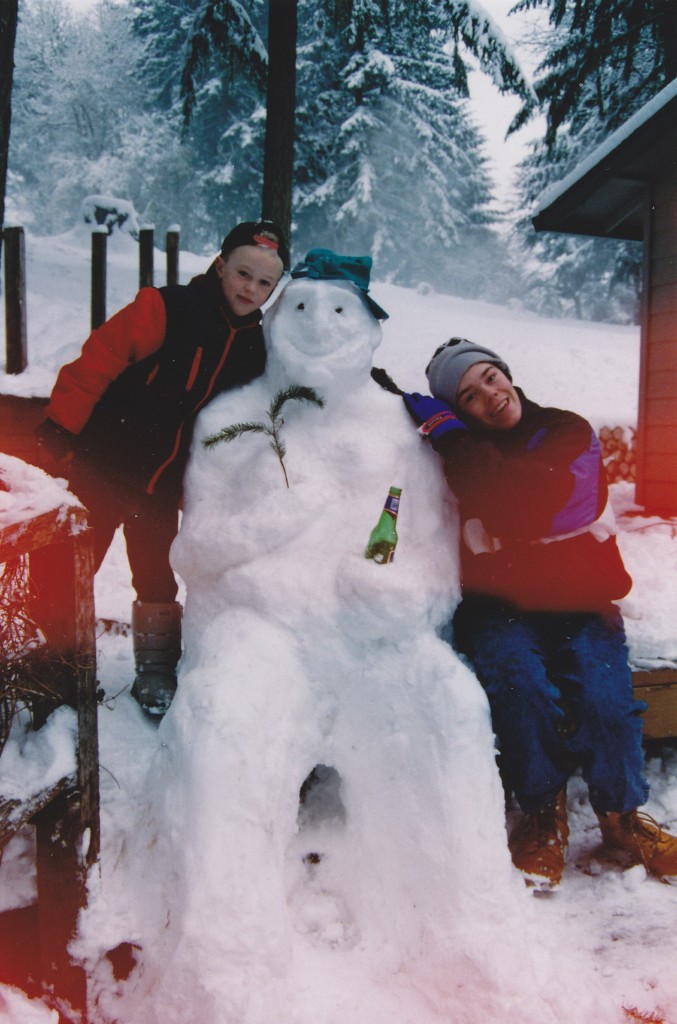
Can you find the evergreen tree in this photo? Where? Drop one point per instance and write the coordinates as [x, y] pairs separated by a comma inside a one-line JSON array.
[[387, 147], [615, 54], [604, 60], [75, 91], [162, 102], [205, 64]]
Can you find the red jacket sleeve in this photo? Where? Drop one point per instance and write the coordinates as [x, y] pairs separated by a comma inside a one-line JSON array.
[[134, 333]]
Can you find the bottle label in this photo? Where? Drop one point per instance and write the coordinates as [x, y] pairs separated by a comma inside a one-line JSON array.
[[392, 504]]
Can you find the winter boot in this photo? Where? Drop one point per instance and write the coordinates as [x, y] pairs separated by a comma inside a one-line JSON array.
[[538, 844], [641, 840], [156, 629]]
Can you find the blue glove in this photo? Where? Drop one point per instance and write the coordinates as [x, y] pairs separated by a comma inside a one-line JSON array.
[[435, 417]]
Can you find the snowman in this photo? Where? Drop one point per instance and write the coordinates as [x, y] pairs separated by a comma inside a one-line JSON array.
[[326, 790]]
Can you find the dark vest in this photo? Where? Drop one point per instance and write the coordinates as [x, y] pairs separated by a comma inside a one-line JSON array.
[[141, 428]]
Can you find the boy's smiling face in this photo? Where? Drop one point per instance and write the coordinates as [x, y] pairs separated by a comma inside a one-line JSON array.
[[486, 397], [248, 276]]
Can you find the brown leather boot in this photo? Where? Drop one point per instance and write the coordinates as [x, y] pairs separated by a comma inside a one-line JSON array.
[[538, 844], [641, 840]]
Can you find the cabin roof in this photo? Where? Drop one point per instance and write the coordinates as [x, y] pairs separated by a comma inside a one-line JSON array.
[[604, 195]]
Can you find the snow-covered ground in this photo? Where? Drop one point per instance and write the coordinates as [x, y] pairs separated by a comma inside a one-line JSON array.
[[388, 894]]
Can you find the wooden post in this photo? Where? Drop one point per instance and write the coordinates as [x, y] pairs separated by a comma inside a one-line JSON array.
[[61, 566], [146, 256], [15, 299], [173, 254], [61, 883], [65, 814], [98, 305]]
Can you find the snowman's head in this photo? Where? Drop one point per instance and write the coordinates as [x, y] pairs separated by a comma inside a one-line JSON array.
[[322, 333]]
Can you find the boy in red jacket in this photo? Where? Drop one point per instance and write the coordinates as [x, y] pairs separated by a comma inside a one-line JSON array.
[[120, 420]]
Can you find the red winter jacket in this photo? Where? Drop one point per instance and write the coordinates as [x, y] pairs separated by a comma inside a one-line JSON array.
[[132, 395], [131, 335]]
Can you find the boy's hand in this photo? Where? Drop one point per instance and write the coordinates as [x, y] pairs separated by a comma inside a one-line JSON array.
[[55, 444]]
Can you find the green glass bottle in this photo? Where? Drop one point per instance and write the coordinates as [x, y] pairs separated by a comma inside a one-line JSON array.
[[383, 538]]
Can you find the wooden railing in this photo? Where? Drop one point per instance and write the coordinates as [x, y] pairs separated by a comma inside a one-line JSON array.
[[64, 814], [15, 283]]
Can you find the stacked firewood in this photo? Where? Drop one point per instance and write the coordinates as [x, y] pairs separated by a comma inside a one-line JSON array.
[[618, 453]]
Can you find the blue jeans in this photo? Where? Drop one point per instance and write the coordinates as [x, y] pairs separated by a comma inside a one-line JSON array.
[[560, 691]]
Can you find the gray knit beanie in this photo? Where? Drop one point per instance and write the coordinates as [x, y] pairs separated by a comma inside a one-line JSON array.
[[451, 360]]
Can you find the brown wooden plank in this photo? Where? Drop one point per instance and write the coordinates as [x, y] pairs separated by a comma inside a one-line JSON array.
[[663, 298], [661, 413], [62, 894], [654, 676], [660, 718], [56, 526], [664, 271], [15, 813], [66, 815], [661, 355], [663, 384], [85, 645], [658, 687], [656, 497]]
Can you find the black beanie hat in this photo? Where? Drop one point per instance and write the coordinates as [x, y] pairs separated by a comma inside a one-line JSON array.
[[257, 232]]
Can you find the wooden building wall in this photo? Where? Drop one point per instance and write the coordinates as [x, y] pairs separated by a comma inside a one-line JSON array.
[[657, 421]]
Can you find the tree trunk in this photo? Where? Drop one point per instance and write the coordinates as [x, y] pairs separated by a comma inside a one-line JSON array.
[[278, 157], [9, 14]]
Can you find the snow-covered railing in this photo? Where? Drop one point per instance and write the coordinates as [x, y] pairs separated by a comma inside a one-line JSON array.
[[15, 281], [49, 777]]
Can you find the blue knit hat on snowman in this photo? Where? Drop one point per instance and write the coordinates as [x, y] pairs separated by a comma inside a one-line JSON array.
[[325, 265]]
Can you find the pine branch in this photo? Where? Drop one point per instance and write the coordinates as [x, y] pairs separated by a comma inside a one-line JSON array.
[[230, 433], [295, 392]]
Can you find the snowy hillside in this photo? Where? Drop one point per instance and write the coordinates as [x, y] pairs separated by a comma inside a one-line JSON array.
[[386, 894]]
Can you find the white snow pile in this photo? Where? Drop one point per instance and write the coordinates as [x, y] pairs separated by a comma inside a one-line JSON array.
[[316, 831]]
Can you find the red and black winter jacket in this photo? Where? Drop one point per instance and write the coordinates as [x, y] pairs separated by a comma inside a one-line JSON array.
[[538, 491], [133, 394]]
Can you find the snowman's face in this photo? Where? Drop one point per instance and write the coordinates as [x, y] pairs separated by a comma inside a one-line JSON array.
[[321, 333]]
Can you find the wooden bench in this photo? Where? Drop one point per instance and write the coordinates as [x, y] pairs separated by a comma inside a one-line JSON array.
[[65, 814], [658, 687]]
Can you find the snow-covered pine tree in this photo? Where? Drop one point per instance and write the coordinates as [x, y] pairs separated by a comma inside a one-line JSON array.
[[389, 160], [604, 60], [612, 54], [76, 91], [206, 67]]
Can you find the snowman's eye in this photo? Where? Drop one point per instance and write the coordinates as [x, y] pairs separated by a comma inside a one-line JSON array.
[[339, 309], [301, 305]]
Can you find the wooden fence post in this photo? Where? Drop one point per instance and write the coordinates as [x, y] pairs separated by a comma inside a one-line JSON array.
[[173, 254], [15, 299], [146, 256], [98, 305]]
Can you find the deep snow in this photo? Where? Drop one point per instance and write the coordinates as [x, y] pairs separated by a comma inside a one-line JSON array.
[[299, 652]]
